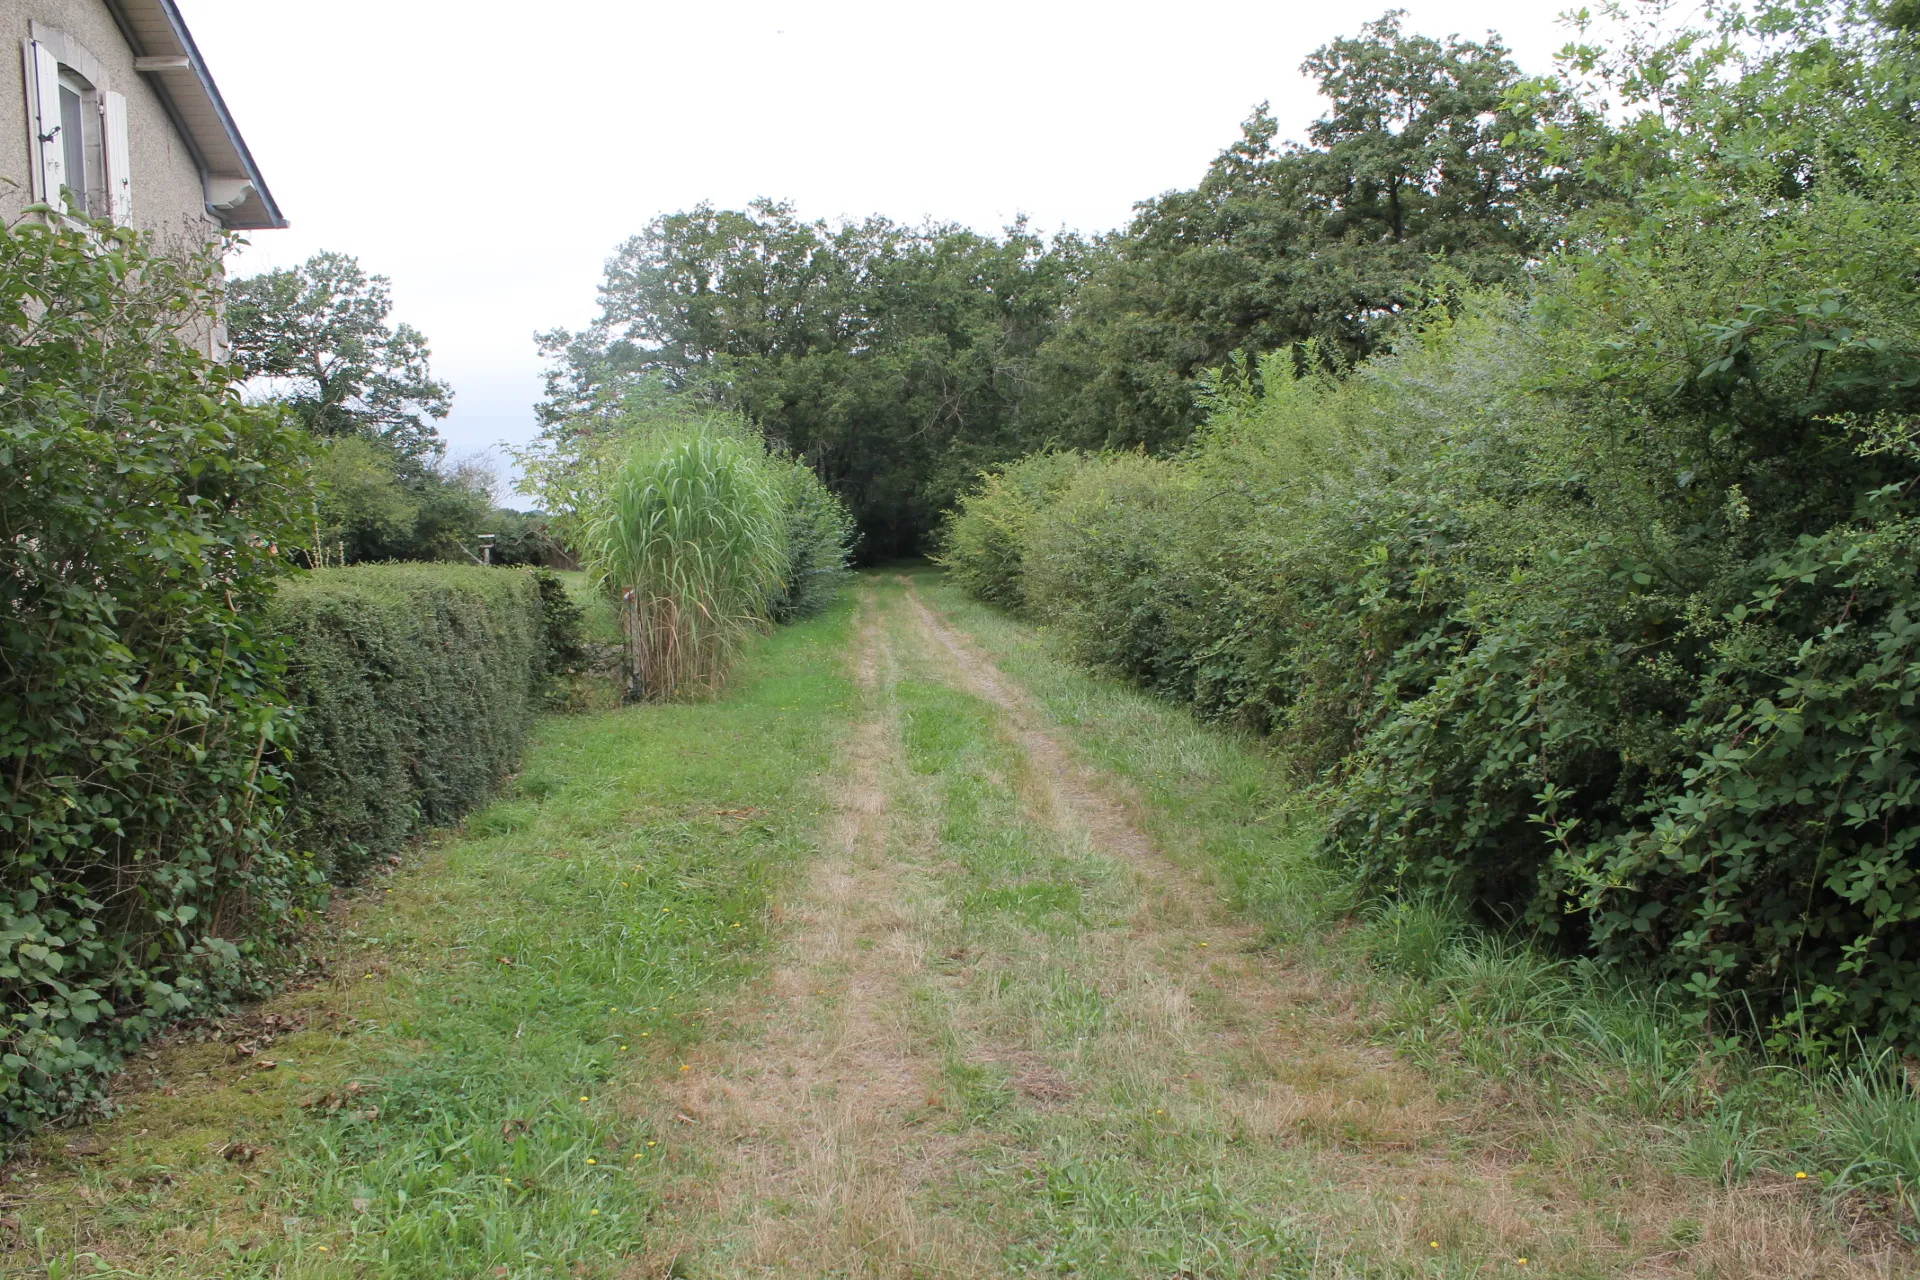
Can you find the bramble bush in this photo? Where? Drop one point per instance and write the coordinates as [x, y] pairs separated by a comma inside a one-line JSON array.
[[143, 512], [1596, 608]]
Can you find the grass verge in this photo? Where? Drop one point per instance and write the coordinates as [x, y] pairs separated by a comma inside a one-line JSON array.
[[459, 1096]]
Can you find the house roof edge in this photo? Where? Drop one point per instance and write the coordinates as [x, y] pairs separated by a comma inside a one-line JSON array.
[[198, 111]]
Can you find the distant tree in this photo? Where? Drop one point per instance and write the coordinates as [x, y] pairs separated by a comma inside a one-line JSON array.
[[318, 335], [1428, 165], [899, 360], [892, 358], [375, 504], [362, 509]]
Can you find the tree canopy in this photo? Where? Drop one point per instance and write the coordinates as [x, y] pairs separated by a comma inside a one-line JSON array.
[[318, 333], [317, 341], [900, 360], [894, 359], [1425, 167]]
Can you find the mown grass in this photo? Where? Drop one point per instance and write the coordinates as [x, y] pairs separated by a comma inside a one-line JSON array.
[[1562, 1038], [487, 1052], [1094, 1158], [458, 1098]]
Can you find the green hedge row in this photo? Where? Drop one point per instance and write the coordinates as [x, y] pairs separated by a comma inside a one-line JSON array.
[[415, 687], [181, 722], [1596, 612], [142, 508]]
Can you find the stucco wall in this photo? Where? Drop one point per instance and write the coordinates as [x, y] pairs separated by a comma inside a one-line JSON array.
[[167, 193]]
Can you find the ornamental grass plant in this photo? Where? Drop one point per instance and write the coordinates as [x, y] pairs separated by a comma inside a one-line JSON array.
[[691, 538]]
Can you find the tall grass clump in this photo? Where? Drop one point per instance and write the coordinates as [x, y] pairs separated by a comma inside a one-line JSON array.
[[691, 536], [700, 531]]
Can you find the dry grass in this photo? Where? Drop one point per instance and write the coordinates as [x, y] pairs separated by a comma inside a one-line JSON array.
[[813, 1146]]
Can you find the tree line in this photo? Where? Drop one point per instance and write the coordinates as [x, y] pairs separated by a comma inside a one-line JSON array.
[[901, 360], [317, 341]]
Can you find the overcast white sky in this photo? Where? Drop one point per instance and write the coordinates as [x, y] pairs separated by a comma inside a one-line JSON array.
[[488, 156]]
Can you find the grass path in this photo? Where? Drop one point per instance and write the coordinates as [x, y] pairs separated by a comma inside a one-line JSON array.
[[808, 1143], [918, 955], [1008, 1034]]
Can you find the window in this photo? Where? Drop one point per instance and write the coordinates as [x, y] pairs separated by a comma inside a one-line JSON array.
[[80, 141], [79, 131]]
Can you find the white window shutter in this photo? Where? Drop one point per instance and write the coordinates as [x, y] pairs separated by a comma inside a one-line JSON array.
[[48, 145], [113, 120]]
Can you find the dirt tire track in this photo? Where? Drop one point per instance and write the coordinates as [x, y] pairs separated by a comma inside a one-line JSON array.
[[1074, 795], [813, 1154], [814, 1139]]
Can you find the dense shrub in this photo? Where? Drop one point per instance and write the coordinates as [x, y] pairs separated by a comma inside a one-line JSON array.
[[415, 686], [524, 538], [1596, 608], [983, 543], [143, 507], [563, 626], [820, 537], [1099, 566], [1573, 668], [377, 504]]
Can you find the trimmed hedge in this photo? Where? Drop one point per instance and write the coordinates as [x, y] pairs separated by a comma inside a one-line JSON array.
[[416, 685], [178, 720]]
